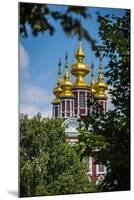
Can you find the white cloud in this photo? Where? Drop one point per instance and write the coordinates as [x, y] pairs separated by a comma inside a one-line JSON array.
[[35, 95], [24, 63], [24, 58], [32, 110], [33, 98]]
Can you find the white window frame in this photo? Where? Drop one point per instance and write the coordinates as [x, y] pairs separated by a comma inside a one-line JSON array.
[[90, 166], [100, 172]]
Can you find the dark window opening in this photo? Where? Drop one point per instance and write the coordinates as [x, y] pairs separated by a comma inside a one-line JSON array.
[[63, 106], [68, 105], [68, 114], [101, 167], [75, 100], [56, 111], [82, 99]]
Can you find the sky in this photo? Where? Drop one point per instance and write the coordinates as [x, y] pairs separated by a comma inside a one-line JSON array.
[[39, 57]]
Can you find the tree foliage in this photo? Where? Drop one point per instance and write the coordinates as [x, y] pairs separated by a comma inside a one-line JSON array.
[[115, 34], [48, 164], [40, 18], [112, 130]]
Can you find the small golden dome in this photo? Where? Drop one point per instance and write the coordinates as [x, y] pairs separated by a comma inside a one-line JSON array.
[[67, 85], [80, 69], [100, 86], [57, 92]]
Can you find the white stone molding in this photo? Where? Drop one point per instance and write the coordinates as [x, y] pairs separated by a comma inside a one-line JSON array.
[[65, 108], [71, 125], [61, 109], [100, 172], [78, 103], [86, 102], [90, 166]]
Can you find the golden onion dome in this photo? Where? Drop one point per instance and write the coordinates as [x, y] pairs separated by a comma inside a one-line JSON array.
[[100, 86], [57, 91], [67, 85], [80, 69]]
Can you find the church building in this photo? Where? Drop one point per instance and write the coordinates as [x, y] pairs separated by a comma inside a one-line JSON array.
[[74, 100]]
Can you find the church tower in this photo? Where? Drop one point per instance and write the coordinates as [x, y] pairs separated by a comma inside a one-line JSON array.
[[67, 96], [80, 87], [57, 92], [100, 87], [91, 102], [78, 99]]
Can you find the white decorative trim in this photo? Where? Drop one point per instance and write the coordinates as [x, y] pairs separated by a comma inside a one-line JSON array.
[[80, 90], [71, 125], [71, 112], [65, 108], [86, 101], [58, 110], [72, 141], [100, 172], [78, 103], [61, 109], [90, 166]]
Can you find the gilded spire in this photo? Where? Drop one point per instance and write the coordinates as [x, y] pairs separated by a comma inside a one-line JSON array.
[[58, 90], [100, 78], [67, 86], [100, 86], [80, 52], [80, 69], [59, 71], [60, 81], [92, 74], [66, 77]]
